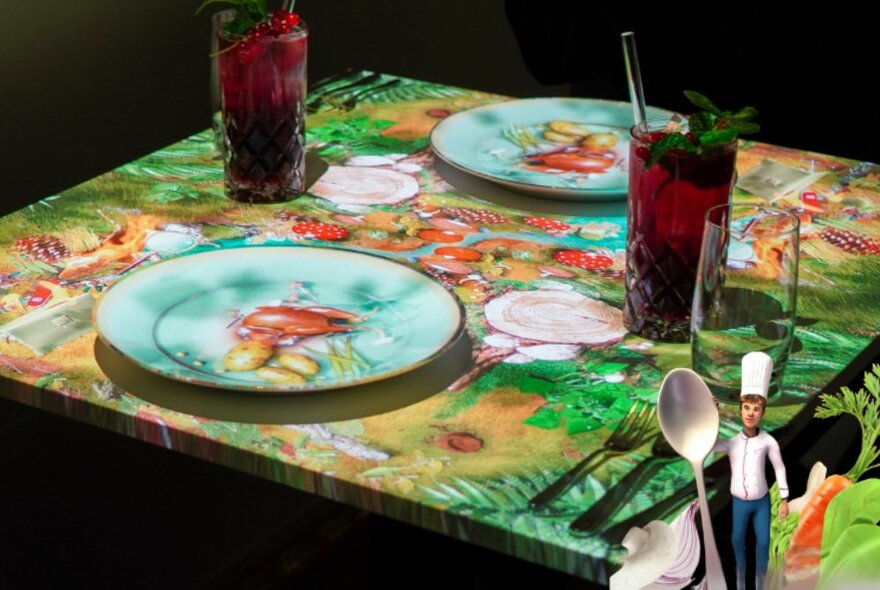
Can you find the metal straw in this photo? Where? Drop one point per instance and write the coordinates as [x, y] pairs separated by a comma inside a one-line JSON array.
[[289, 5], [636, 92]]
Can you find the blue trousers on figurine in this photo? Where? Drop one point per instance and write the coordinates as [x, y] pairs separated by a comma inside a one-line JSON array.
[[758, 511]]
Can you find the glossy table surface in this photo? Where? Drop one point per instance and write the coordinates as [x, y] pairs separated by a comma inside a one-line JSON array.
[[460, 445]]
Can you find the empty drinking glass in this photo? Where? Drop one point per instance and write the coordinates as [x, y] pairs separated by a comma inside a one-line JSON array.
[[745, 294]]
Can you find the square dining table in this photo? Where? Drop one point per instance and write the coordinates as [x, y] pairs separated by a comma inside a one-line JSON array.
[[542, 374]]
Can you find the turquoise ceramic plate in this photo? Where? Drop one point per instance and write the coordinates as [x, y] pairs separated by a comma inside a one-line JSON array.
[[279, 318], [562, 148]]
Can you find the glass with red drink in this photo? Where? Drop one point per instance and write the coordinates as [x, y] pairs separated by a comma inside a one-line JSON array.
[[670, 190], [263, 93]]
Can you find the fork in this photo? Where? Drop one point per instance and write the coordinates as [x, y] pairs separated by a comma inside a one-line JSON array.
[[630, 434], [608, 505], [345, 75], [350, 102], [322, 96]]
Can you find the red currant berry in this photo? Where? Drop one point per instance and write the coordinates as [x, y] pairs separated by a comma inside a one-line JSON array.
[[264, 28], [643, 153], [280, 29], [656, 136], [692, 138], [291, 19], [248, 51]]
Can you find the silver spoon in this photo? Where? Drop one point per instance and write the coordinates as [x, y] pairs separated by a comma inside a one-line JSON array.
[[689, 421]]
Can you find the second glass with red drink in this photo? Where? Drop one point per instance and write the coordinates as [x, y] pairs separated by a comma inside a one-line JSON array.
[[671, 186]]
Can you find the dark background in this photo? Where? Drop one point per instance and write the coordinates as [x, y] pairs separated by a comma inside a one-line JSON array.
[[89, 85], [92, 84]]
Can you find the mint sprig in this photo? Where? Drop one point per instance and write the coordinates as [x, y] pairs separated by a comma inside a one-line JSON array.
[[702, 122], [702, 102], [670, 142], [248, 13], [741, 121], [708, 128], [716, 137]]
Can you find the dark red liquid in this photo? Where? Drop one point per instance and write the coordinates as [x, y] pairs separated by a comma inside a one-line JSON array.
[[665, 218], [263, 93]]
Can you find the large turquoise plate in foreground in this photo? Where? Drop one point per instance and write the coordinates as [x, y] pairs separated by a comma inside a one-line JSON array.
[[562, 148], [266, 318]]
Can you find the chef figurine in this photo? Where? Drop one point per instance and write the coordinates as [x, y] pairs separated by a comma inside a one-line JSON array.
[[747, 452]]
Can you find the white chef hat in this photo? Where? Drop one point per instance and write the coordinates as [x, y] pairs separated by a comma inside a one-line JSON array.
[[756, 370]]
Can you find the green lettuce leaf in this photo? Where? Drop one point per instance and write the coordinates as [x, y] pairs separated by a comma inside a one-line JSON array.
[[857, 504], [853, 559]]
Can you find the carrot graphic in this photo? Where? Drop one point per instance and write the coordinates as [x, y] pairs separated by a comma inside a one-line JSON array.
[[805, 545], [802, 559]]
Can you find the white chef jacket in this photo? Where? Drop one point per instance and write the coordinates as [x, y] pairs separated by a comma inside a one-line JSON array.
[[747, 456]]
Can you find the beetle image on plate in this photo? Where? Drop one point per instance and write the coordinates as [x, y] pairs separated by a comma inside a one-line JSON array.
[[272, 337]]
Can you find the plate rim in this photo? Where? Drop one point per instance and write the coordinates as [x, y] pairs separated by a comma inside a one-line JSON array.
[[566, 193], [273, 389]]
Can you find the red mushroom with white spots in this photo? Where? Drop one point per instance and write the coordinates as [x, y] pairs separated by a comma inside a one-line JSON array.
[[545, 223], [583, 259], [320, 231]]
